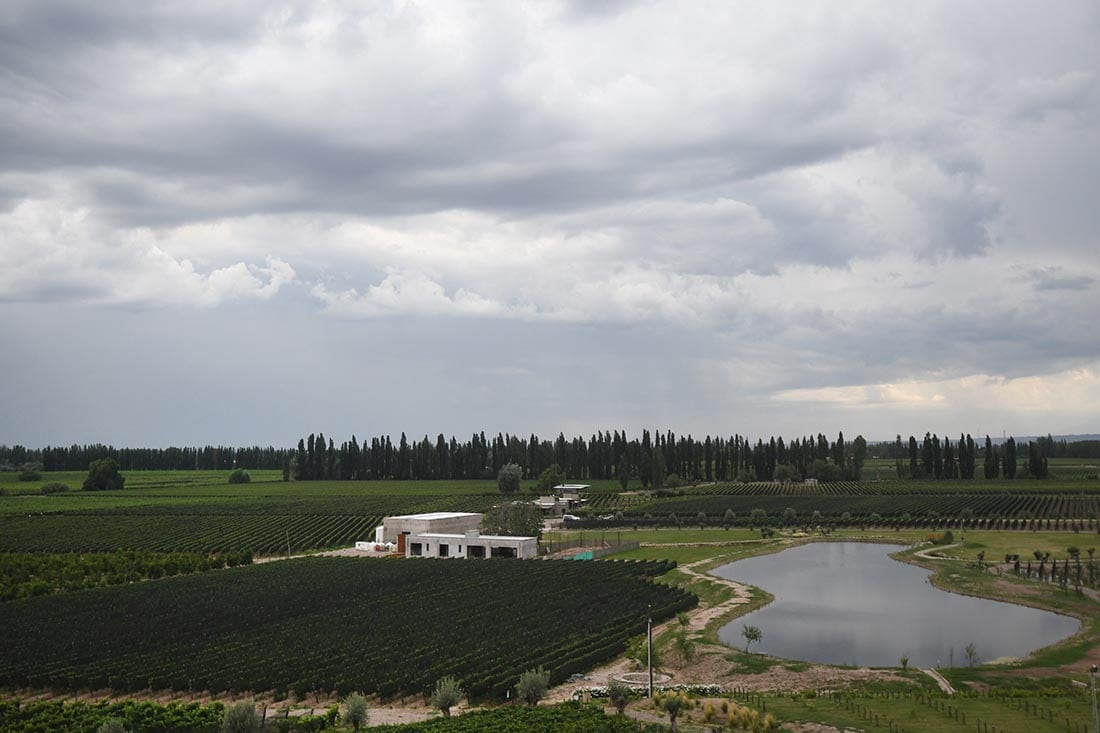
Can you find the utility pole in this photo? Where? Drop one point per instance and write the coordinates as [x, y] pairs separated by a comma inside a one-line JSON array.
[[1092, 687], [649, 649]]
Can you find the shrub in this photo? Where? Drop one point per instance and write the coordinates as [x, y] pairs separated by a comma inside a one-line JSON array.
[[673, 481], [103, 475], [241, 717], [355, 710], [54, 487], [509, 477], [29, 474], [532, 686], [446, 695], [619, 693], [240, 476]]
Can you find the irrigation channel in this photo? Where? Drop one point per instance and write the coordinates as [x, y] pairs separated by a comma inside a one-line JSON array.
[[850, 603]]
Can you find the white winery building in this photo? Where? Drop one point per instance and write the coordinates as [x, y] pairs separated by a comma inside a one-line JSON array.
[[449, 534]]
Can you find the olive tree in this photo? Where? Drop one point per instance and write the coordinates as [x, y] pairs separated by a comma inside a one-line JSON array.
[[241, 717], [619, 694], [672, 703], [446, 695], [532, 686], [355, 710]]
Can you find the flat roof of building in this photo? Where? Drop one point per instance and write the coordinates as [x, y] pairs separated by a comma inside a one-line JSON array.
[[436, 515], [446, 536], [573, 486]]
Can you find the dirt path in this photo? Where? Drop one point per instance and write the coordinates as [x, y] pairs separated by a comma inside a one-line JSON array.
[[939, 678], [704, 614], [924, 554]]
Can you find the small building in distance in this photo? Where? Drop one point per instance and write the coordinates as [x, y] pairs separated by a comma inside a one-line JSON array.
[[449, 534], [566, 498]]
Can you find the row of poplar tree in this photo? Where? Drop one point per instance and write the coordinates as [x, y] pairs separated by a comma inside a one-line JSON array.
[[940, 459], [650, 459]]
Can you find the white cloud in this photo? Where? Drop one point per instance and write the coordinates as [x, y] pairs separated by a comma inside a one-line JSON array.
[[1069, 392], [56, 253]]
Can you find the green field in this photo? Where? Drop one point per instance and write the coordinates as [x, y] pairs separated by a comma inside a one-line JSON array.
[[308, 615], [336, 625], [181, 511]]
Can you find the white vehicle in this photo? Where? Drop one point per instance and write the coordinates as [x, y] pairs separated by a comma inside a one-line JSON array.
[[572, 517]]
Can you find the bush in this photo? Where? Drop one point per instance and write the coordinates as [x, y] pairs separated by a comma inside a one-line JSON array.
[[550, 477], [446, 695], [103, 475], [355, 710], [54, 487], [673, 481], [29, 474], [241, 717], [240, 476], [509, 477], [532, 686], [619, 694]]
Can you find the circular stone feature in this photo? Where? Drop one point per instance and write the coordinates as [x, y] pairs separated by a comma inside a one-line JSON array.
[[642, 678]]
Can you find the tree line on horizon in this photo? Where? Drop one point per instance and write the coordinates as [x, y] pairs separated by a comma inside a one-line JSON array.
[[649, 459]]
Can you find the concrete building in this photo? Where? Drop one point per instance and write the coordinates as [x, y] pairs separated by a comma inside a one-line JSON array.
[[449, 534], [472, 544], [392, 528], [566, 498]]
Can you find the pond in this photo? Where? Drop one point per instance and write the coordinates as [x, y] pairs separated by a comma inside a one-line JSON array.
[[851, 603]]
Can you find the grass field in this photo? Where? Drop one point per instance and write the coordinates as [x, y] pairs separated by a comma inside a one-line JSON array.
[[201, 512]]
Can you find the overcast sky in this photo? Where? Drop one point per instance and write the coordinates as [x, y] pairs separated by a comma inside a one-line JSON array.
[[238, 226]]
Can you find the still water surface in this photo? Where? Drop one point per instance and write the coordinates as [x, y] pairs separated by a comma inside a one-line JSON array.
[[850, 603]]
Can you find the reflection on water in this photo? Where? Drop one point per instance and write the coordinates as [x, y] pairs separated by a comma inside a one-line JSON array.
[[850, 603]]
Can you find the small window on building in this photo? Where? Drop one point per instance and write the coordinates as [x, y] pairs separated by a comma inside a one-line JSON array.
[[416, 549], [444, 550], [476, 551]]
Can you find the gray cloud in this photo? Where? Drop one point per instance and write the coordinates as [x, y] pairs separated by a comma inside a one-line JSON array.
[[1055, 278], [785, 201]]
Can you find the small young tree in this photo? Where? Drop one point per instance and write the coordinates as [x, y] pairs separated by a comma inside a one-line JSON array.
[[355, 710], [904, 661], [532, 686], [971, 654], [752, 635], [241, 717], [685, 646], [240, 476], [672, 703], [619, 695], [509, 477], [637, 650], [446, 695]]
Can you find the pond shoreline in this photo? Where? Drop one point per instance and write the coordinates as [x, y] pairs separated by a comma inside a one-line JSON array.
[[938, 577]]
